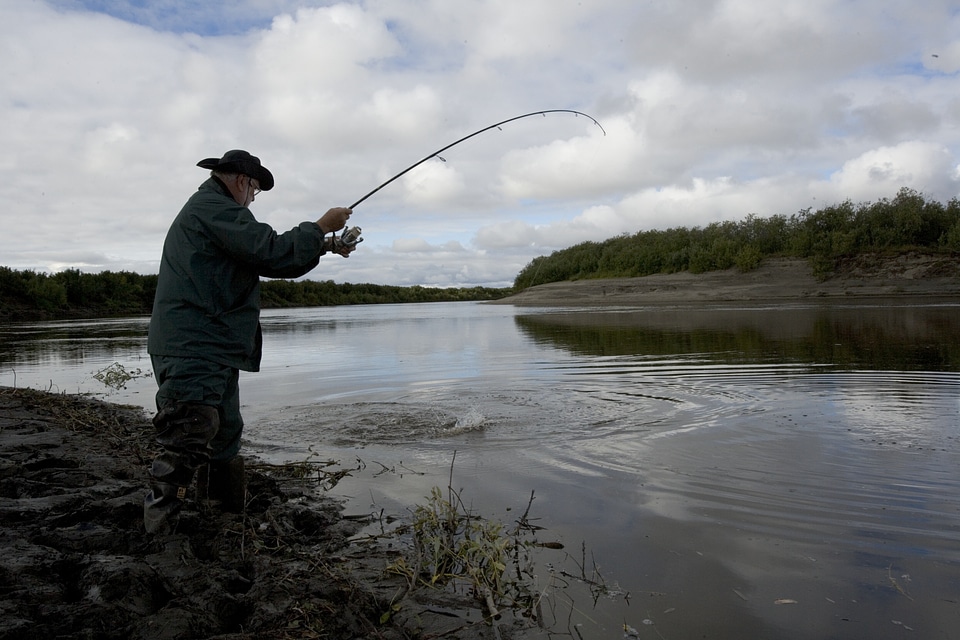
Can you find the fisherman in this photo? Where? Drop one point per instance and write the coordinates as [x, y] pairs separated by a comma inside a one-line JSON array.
[[205, 327]]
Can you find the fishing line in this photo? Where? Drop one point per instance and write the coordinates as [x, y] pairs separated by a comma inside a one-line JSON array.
[[436, 154]]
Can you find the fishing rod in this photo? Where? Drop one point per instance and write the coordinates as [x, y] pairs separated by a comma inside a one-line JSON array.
[[436, 154], [351, 237]]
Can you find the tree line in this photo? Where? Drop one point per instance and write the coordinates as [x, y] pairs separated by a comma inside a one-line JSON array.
[[72, 294], [825, 237]]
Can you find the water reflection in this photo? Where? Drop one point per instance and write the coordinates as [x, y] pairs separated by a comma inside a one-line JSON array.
[[70, 341], [873, 337]]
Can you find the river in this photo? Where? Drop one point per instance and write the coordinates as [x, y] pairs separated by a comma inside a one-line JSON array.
[[740, 471]]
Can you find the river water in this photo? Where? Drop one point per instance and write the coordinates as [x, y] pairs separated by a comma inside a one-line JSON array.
[[789, 471]]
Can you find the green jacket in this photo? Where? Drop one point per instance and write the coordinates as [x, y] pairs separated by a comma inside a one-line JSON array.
[[207, 304]]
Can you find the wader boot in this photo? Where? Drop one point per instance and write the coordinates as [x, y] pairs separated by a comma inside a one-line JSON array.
[[184, 430], [224, 481]]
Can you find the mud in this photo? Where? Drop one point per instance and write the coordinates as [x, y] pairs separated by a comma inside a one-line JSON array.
[[75, 562], [913, 275]]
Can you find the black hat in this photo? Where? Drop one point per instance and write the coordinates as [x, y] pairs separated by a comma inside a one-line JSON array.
[[238, 161]]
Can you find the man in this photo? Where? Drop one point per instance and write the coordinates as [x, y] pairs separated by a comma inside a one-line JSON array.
[[205, 326]]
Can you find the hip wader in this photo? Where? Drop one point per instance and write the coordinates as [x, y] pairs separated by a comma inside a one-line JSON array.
[[185, 431]]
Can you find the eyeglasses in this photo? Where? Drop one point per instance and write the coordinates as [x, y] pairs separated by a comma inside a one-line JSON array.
[[256, 187]]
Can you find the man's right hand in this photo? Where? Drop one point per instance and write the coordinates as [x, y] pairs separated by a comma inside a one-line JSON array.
[[334, 219]]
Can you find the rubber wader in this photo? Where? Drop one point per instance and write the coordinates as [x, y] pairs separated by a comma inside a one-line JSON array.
[[223, 481], [184, 430]]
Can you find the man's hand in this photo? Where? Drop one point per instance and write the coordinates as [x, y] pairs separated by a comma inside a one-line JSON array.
[[345, 249], [334, 219], [331, 244], [344, 244]]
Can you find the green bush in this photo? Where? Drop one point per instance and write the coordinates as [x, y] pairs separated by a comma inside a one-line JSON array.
[[907, 222]]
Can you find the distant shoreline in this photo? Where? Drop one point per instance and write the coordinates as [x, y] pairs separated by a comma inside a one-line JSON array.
[[917, 275]]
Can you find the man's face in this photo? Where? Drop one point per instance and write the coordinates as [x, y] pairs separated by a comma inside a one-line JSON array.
[[249, 188], [244, 189]]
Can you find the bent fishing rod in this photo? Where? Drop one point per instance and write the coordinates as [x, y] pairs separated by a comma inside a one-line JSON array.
[[351, 237], [436, 154]]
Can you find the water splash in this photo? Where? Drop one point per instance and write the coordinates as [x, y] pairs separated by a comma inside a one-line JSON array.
[[359, 424], [472, 420]]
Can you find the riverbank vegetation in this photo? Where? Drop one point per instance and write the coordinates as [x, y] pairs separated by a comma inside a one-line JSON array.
[[73, 294], [826, 237]]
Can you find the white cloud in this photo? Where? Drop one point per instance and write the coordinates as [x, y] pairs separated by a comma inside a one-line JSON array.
[[434, 183], [419, 245], [924, 166], [713, 109], [944, 59]]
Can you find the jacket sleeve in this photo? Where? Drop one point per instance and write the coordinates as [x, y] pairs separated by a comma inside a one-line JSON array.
[[291, 254], [296, 269]]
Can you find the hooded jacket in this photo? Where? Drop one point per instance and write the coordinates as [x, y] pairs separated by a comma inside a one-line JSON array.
[[207, 304]]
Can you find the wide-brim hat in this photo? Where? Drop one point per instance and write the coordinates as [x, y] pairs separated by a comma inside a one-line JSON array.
[[239, 161]]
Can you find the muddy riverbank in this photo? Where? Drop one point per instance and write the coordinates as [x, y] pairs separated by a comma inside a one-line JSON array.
[[776, 280], [75, 562]]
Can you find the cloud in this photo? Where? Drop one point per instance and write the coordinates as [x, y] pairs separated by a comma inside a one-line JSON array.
[[924, 166], [419, 245], [944, 59], [713, 109]]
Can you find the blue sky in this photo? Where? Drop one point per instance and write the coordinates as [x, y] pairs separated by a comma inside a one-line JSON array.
[[208, 18], [713, 110]]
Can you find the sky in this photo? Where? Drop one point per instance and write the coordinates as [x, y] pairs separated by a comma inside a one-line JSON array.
[[711, 110]]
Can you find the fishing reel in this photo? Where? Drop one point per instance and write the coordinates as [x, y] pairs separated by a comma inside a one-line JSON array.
[[349, 238]]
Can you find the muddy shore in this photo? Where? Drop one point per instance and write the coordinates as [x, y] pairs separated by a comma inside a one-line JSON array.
[[776, 280], [75, 562]]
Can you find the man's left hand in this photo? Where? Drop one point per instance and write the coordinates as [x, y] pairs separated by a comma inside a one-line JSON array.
[[345, 250]]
